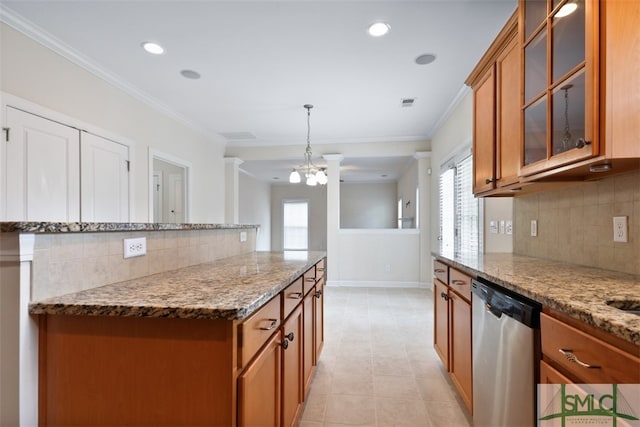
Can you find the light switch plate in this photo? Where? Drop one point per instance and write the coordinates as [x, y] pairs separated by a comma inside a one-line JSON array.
[[243, 236], [620, 229], [502, 227], [493, 227], [534, 228]]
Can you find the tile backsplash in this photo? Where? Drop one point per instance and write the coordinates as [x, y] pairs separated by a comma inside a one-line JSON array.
[[71, 262], [575, 223]]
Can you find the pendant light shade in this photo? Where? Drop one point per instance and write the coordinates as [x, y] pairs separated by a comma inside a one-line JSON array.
[[294, 177]]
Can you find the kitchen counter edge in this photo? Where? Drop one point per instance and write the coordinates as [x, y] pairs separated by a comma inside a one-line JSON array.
[[580, 292], [94, 227]]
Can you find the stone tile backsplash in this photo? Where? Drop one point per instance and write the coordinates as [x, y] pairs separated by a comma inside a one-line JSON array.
[[65, 262], [575, 223]]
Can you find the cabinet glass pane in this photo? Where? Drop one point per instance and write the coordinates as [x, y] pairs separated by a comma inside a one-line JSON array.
[[535, 131], [535, 71], [568, 114], [568, 35], [535, 11]]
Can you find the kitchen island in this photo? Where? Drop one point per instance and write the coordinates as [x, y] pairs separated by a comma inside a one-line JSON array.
[[208, 344]]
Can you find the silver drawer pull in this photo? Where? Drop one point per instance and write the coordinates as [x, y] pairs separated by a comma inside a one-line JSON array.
[[459, 282], [295, 295], [272, 325], [439, 270], [573, 358], [310, 279]]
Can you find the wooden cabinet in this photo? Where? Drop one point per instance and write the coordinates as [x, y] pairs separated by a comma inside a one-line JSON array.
[[259, 389], [578, 105], [441, 321], [452, 328], [496, 121], [110, 370], [579, 353], [292, 361]]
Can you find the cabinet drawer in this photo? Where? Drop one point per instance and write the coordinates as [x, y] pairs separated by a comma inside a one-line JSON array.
[[309, 279], [320, 268], [441, 271], [460, 282], [291, 297], [614, 366], [257, 329]]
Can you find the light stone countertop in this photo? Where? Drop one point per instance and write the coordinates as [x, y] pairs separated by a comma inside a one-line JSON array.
[[578, 291], [93, 227], [229, 288]]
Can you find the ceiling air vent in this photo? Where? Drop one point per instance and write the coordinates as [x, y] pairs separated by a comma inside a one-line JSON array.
[[407, 102], [237, 136]]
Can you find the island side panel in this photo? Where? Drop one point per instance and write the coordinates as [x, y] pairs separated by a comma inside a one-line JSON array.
[[137, 371]]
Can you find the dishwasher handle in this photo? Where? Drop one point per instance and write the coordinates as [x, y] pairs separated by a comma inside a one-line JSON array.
[[491, 309]]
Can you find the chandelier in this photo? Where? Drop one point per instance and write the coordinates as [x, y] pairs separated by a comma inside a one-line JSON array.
[[314, 175]]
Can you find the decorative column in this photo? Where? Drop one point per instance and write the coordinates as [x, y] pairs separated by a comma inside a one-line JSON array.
[[232, 190], [424, 186], [333, 213]]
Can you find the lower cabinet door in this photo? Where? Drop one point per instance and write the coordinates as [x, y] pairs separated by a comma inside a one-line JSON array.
[[319, 320], [549, 375], [259, 387], [308, 306], [441, 321], [461, 353], [292, 362]]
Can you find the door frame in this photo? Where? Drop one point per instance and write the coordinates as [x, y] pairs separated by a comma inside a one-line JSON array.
[[188, 167]]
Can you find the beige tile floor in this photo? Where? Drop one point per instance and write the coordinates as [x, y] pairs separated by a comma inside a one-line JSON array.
[[378, 367]]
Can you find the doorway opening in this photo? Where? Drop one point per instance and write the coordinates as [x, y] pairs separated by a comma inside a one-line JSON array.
[[169, 189]]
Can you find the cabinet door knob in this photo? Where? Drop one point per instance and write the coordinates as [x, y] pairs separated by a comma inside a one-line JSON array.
[[573, 358], [581, 142], [318, 294], [489, 181], [290, 336], [285, 344], [444, 296]]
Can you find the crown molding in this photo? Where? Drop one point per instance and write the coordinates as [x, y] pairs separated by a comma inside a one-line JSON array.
[[47, 40]]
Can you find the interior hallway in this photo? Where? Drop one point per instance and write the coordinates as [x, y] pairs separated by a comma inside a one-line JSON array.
[[378, 366]]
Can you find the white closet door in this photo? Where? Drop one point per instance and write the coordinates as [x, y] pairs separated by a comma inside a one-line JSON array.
[[42, 164], [105, 179]]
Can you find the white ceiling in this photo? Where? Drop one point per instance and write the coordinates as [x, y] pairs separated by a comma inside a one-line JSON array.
[[260, 61]]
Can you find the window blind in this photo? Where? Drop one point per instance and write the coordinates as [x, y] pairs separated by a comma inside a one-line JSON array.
[[296, 225]]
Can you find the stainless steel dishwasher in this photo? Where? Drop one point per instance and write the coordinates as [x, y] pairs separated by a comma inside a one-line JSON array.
[[505, 341]]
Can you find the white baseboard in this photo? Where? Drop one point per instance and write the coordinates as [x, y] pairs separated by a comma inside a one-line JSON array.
[[378, 284]]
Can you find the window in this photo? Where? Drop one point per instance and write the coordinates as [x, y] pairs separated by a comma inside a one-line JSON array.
[[296, 225], [459, 212]]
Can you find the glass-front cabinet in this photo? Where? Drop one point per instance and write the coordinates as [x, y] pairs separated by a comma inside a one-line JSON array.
[[559, 110]]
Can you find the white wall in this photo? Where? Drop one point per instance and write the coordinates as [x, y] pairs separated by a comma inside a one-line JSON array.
[[368, 205], [255, 208], [407, 190], [317, 197], [41, 76]]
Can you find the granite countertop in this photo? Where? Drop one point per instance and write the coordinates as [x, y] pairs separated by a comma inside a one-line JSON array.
[[93, 227], [230, 288], [578, 291]]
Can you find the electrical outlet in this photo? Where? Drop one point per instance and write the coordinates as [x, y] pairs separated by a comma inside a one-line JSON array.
[[620, 229], [509, 227], [534, 228], [243, 236], [135, 247]]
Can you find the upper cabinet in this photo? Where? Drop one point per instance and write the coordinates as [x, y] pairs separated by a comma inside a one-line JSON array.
[[496, 83], [581, 60]]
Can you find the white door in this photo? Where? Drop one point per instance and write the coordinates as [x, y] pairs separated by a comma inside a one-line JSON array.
[[105, 179], [42, 164], [157, 197], [176, 198]]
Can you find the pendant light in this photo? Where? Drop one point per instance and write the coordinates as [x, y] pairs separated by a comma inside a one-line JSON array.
[[313, 174]]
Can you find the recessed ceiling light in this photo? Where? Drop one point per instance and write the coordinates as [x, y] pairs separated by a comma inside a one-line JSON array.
[[190, 74], [153, 48], [425, 59], [566, 10], [378, 29]]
